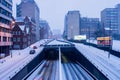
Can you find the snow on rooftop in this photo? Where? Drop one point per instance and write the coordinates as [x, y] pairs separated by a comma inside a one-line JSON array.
[[27, 29], [109, 66], [22, 27], [19, 19]]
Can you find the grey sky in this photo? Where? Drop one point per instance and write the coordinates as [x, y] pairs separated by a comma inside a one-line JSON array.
[[54, 10]]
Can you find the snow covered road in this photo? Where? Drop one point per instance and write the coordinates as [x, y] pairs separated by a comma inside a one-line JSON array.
[[108, 66]]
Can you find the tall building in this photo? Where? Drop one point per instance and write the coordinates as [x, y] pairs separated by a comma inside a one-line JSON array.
[[5, 22], [45, 31], [57, 34], [72, 24], [29, 8], [110, 19], [89, 26]]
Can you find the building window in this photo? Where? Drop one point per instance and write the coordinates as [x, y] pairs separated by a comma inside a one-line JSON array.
[[14, 39], [4, 30], [24, 46], [24, 39], [18, 39], [19, 32], [17, 46], [4, 39], [0, 38], [9, 39], [13, 32]]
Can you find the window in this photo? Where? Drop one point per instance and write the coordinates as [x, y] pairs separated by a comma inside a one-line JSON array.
[[4, 39], [0, 38], [9, 39], [24, 45], [13, 32], [19, 32], [14, 39], [4, 30], [24, 39], [18, 39], [16, 46]]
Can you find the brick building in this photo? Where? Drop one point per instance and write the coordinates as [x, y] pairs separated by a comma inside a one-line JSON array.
[[23, 33]]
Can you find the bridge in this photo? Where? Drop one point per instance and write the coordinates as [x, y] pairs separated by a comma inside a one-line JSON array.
[[63, 60]]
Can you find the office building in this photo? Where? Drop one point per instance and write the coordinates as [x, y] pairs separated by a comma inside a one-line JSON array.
[[29, 8], [45, 31], [110, 20], [89, 26], [72, 24], [5, 30]]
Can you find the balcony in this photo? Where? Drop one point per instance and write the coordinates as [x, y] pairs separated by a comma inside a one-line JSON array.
[[5, 34], [4, 25], [6, 43]]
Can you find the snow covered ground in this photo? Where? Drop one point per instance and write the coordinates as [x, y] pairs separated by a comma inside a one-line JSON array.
[[10, 66], [108, 66], [116, 44], [56, 42]]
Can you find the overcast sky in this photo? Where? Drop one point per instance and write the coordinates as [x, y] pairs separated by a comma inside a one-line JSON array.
[[54, 11]]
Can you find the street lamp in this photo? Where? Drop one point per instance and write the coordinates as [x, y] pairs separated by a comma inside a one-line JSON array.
[[89, 33], [71, 29], [110, 41], [11, 24]]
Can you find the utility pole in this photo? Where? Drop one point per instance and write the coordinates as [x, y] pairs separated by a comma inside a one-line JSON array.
[[89, 34], [11, 24], [110, 35]]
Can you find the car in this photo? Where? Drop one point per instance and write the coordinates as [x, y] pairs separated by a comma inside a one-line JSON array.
[[34, 47], [32, 52], [41, 44]]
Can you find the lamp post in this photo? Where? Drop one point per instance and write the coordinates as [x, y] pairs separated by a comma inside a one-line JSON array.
[[89, 34], [71, 29], [110, 41], [11, 24], [0, 41]]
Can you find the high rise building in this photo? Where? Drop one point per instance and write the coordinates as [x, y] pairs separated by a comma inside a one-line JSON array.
[[45, 31], [72, 24], [5, 22], [89, 26], [57, 34], [29, 8], [110, 20]]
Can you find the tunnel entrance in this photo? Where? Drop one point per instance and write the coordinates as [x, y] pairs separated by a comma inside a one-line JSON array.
[[69, 56], [72, 55], [51, 53]]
